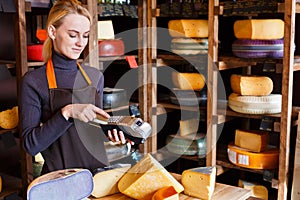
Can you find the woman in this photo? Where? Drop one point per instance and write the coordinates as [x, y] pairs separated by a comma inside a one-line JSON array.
[[59, 98]]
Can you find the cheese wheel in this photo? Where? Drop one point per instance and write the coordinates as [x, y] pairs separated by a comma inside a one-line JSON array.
[[189, 46], [258, 191], [251, 84], [110, 185], [166, 193], [188, 81], [9, 119], [199, 182], [145, 178], [270, 104], [267, 159], [259, 29], [190, 28], [252, 140], [61, 184]]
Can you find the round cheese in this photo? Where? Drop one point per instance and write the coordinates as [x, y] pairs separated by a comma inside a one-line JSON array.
[[189, 46], [188, 81], [270, 104], [253, 160], [251, 84], [259, 29], [191, 28]]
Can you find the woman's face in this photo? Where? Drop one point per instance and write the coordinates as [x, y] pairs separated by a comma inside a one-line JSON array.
[[71, 37]]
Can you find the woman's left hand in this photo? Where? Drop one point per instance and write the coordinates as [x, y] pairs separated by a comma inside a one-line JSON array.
[[118, 137]]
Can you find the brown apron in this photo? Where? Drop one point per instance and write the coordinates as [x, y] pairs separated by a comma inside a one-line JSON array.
[[81, 146]]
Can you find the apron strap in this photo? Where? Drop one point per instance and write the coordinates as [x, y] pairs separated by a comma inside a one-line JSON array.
[[52, 79]]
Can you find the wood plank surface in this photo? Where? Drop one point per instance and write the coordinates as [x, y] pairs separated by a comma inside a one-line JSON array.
[[296, 177], [222, 192]]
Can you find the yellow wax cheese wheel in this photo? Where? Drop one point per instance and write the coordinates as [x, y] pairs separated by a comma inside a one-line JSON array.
[[166, 193], [251, 85], [259, 29], [9, 119], [267, 159], [188, 81], [193, 28], [145, 178]]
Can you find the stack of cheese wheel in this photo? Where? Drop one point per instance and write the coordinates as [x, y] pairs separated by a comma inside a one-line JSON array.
[[252, 95], [251, 150], [189, 36], [258, 38]]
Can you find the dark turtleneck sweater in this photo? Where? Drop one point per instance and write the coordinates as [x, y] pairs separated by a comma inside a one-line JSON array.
[[35, 103]]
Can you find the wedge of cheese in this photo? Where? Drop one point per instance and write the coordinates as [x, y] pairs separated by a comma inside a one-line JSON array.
[[9, 118], [190, 28], [199, 182], [110, 185], [259, 29], [188, 126], [251, 85], [267, 159], [252, 140], [188, 81], [270, 104], [166, 193], [145, 178], [258, 191]]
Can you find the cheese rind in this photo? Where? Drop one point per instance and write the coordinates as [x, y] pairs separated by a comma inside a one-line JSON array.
[[110, 185], [193, 28], [258, 191], [188, 81], [145, 178], [199, 182], [259, 29], [267, 159], [256, 141], [166, 193], [251, 85]]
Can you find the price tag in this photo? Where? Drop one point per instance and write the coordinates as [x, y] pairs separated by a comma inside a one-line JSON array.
[[266, 124], [131, 61]]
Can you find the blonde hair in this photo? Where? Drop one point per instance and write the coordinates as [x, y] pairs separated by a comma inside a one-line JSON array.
[[60, 9]]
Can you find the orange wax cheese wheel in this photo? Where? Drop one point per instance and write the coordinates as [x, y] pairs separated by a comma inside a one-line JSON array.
[[188, 81], [251, 85], [190, 28], [259, 29], [267, 159], [145, 178], [252, 140], [199, 182], [166, 193]]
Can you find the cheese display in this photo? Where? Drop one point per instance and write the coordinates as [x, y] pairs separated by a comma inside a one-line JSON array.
[[199, 182], [259, 29], [61, 184], [145, 178], [110, 185], [258, 191], [245, 48], [188, 126], [267, 159], [193, 144], [188, 81], [9, 119], [190, 28], [189, 46], [252, 140], [251, 84], [113, 47], [166, 193], [270, 104]]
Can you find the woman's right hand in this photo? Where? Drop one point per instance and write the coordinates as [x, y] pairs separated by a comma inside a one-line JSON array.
[[82, 112]]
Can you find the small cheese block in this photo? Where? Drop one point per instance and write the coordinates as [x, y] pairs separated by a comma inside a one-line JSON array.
[[199, 182], [188, 81], [166, 193], [9, 118], [189, 46], [106, 182], [259, 29], [61, 184], [270, 104], [251, 85], [145, 178], [190, 28], [188, 126], [267, 159], [252, 140], [258, 191], [106, 30]]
